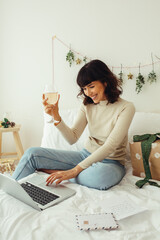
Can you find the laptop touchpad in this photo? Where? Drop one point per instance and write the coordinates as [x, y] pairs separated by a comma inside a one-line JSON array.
[[36, 180]]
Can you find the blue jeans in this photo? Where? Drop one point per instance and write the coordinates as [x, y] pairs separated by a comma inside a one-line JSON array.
[[101, 175]]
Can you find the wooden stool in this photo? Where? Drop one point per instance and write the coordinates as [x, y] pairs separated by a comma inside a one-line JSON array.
[[7, 161]]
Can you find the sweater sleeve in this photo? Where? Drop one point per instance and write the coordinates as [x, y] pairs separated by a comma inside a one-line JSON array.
[[115, 138], [73, 134]]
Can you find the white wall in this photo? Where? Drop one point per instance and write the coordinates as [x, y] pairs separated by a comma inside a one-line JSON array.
[[115, 31]]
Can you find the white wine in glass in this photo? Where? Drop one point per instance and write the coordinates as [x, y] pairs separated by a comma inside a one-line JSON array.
[[52, 96]]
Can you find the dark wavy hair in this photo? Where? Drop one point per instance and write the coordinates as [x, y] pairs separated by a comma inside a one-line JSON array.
[[97, 70]]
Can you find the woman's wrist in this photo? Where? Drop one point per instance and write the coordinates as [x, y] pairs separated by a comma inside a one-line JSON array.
[[78, 169], [57, 118], [56, 122]]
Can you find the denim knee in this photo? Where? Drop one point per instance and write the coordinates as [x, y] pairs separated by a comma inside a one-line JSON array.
[[32, 151], [29, 155], [108, 175], [100, 176]]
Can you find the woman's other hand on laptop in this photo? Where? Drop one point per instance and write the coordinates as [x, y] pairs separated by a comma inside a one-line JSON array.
[[60, 176]]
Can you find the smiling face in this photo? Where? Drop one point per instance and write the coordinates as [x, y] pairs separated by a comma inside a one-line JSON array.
[[95, 90]]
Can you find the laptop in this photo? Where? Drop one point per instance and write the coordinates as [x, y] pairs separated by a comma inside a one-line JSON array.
[[34, 191]]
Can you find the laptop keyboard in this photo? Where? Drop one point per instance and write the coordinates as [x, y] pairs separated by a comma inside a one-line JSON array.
[[39, 195]]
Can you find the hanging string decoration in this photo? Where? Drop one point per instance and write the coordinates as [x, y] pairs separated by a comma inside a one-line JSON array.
[[70, 57], [139, 82], [73, 56]]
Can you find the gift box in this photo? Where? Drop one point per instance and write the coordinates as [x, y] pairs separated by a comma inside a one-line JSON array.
[[137, 160]]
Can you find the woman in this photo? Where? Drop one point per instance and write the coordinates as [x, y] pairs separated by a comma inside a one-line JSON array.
[[100, 164]]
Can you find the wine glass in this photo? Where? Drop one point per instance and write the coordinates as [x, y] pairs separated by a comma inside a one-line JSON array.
[[52, 95]]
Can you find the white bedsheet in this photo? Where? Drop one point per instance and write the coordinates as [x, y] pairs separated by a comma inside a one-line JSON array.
[[20, 222]]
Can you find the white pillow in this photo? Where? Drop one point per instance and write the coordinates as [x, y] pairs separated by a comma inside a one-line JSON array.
[[52, 138], [144, 122]]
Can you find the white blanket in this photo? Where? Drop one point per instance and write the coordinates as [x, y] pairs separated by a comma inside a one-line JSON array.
[[20, 222]]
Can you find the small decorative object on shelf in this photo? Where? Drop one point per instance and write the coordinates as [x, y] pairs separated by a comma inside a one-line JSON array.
[[12, 124], [8, 160], [6, 123]]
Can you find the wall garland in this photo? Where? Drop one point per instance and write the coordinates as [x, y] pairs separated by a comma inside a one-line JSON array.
[[76, 57]]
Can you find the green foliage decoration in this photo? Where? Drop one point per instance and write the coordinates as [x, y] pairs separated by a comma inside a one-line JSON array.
[[152, 77], [6, 123], [139, 83], [70, 57], [121, 76], [85, 59]]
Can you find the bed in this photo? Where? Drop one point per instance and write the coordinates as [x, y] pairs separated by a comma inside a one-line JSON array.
[[19, 221]]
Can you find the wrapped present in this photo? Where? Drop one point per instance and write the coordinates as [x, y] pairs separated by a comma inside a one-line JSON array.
[[153, 160]]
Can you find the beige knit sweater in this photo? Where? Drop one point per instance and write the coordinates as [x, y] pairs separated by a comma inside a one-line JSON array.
[[108, 130]]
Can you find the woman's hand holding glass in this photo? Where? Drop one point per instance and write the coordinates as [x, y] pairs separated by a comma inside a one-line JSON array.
[[52, 109]]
